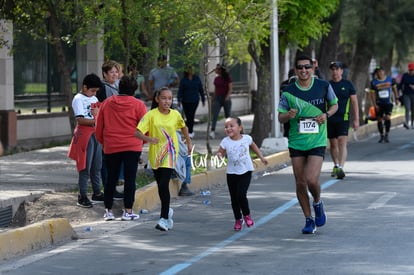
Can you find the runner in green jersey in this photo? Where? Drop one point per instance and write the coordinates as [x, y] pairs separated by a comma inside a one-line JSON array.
[[306, 105]]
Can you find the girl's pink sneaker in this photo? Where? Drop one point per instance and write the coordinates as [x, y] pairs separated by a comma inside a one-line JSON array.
[[238, 225], [248, 220]]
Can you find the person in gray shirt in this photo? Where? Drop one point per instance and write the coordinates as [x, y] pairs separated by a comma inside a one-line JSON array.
[[162, 76], [110, 73]]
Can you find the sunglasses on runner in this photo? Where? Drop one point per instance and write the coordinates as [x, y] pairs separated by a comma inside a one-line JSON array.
[[306, 66]]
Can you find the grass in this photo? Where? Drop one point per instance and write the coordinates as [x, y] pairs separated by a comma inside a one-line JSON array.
[[144, 177], [39, 88], [35, 88]]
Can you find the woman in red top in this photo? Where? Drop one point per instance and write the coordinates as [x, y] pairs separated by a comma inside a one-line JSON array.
[[221, 98], [115, 130]]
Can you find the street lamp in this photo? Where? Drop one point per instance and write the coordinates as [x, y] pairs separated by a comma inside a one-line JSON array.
[[275, 69], [275, 143]]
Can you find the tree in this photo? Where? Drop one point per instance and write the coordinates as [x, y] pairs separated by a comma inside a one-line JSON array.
[[328, 49], [376, 33], [129, 32], [226, 24], [240, 27], [244, 27], [292, 32]]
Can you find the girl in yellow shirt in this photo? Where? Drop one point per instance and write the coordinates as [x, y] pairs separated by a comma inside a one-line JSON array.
[[160, 124]]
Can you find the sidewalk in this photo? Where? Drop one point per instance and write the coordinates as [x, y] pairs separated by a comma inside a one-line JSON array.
[[27, 175]]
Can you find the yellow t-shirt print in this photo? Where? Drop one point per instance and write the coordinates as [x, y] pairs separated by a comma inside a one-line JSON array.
[[167, 152]]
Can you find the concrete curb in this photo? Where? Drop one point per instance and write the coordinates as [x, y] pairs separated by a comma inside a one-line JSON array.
[[39, 235]]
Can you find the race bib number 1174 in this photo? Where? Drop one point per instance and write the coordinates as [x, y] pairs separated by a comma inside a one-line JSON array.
[[308, 126]]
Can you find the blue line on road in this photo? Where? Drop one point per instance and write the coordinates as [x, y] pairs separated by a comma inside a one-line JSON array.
[[406, 146], [179, 267]]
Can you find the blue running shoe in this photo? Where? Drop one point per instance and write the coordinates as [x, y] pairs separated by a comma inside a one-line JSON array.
[[309, 226], [320, 216]]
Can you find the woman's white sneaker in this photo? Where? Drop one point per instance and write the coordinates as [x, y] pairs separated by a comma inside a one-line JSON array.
[[170, 222], [109, 216], [162, 225], [129, 216]]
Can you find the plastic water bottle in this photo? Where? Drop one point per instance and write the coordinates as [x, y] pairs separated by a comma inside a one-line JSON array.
[[206, 202], [284, 165], [144, 211], [88, 229], [205, 193]]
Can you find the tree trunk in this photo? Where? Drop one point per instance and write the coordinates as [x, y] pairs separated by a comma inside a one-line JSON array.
[[328, 48], [262, 116], [386, 62], [209, 103], [63, 66], [125, 36], [358, 71]]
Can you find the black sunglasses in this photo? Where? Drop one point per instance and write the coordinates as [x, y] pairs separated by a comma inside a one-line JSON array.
[[306, 66]]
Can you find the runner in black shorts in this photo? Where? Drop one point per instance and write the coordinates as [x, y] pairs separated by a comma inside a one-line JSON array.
[[318, 151], [305, 105], [338, 124], [382, 89]]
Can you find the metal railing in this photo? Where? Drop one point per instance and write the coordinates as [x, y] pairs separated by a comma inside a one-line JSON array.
[[38, 101]]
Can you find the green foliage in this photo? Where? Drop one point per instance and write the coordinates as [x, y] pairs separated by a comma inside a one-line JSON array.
[[76, 18], [231, 24], [385, 24], [137, 31], [302, 20]]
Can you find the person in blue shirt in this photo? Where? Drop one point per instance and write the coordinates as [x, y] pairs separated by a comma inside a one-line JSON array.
[[383, 89], [189, 94], [407, 87]]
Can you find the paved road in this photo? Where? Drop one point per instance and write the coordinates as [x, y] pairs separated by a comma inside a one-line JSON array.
[[369, 228]]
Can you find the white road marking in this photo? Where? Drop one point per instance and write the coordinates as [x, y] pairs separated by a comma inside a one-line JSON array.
[[181, 266], [381, 201]]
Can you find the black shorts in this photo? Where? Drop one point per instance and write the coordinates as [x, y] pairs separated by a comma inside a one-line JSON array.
[[336, 129], [318, 151], [384, 109]]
